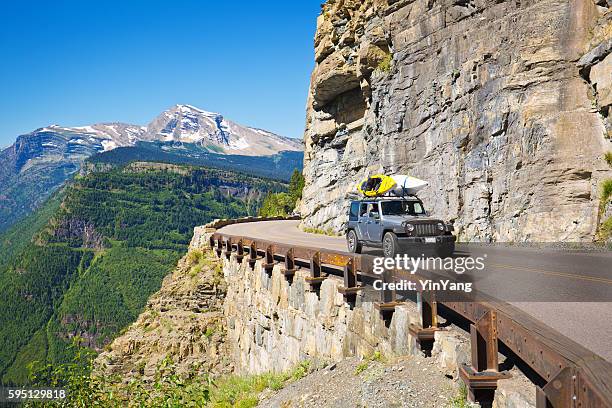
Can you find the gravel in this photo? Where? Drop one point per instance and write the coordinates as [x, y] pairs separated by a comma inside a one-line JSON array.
[[406, 382]]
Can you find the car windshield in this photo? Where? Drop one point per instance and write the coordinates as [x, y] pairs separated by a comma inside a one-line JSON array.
[[402, 208]]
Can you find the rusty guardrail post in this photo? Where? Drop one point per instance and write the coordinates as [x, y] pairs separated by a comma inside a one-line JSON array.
[[481, 377], [269, 262], [350, 287], [290, 268], [388, 299], [315, 279], [428, 310], [228, 248], [219, 247], [253, 255], [239, 251]]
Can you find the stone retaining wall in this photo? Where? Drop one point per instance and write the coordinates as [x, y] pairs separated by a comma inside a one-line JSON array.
[[272, 325]]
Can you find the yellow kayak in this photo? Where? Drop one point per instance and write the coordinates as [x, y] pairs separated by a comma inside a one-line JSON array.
[[376, 185]]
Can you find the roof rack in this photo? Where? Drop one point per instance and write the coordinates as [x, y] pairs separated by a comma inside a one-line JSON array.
[[389, 194]]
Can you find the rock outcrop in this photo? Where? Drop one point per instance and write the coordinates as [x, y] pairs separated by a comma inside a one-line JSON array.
[[182, 323], [503, 106]]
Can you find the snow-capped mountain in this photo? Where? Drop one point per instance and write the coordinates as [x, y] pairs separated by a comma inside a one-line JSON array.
[[40, 161], [68, 145], [188, 124], [100, 137], [181, 123]]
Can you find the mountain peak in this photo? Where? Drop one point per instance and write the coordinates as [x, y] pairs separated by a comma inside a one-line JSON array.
[[180, 123], [188, 124], [183, 108]]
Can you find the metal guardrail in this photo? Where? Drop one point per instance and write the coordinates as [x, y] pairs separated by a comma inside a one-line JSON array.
[[220, 223], [566, 373]]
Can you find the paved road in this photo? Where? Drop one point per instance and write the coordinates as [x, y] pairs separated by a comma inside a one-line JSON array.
[[571, 291]]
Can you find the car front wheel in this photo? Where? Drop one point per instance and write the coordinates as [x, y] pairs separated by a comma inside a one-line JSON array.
[[353, 243], [390, 245]]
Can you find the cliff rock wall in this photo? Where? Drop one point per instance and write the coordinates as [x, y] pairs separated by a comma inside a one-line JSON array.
[[503, 106], [274, 325]]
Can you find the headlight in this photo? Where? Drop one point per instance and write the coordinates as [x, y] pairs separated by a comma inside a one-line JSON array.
[[409, 227], [441, 226]]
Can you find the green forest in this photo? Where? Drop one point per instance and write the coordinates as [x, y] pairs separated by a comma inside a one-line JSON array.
[[278, 166], [284, 203], [86, 262]]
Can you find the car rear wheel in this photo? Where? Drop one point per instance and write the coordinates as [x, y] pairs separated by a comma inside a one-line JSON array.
[[353, 243], [390, 245]]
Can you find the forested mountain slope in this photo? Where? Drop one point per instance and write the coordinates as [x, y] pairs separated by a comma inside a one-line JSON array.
[[87, 266], [278, 166]]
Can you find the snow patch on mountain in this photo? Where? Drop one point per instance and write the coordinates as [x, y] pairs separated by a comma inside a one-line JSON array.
[[188, 124], [182, 124], [109, 145], [86, 129]]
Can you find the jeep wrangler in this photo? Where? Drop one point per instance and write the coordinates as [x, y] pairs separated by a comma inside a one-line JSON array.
[[397, 225]]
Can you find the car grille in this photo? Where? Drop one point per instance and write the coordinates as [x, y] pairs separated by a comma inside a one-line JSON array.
[[424, 230]]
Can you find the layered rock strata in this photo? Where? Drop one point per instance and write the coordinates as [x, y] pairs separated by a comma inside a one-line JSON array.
[[503, 106]]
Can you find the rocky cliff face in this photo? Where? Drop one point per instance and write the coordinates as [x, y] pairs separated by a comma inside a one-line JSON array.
[[503, 106], [182, 323]]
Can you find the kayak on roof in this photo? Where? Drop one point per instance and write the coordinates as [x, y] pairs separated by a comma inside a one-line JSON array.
[[399, 184]]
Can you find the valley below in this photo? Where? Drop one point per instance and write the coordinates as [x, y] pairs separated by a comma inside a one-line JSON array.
[[84, 265]]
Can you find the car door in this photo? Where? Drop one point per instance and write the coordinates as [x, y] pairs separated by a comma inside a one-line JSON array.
[[362, 232], [374, 224]]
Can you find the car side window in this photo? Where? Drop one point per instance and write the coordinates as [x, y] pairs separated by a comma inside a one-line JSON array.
[[363, 210], [373, 209], [353, 214]]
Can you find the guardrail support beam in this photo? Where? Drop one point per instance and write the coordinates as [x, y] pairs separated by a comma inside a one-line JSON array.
[[253, 255], [239, 251], [269, 262], [425, 333], [290, 268], [388, 299], [219, 247], [350, 287], [558, 392], [228, 248], [315, 279], [481, 377]]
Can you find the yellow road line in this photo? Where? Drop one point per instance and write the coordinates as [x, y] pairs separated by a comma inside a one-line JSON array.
[[558, 274]]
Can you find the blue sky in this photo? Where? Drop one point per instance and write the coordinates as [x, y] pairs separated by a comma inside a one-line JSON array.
[[81, 62]]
